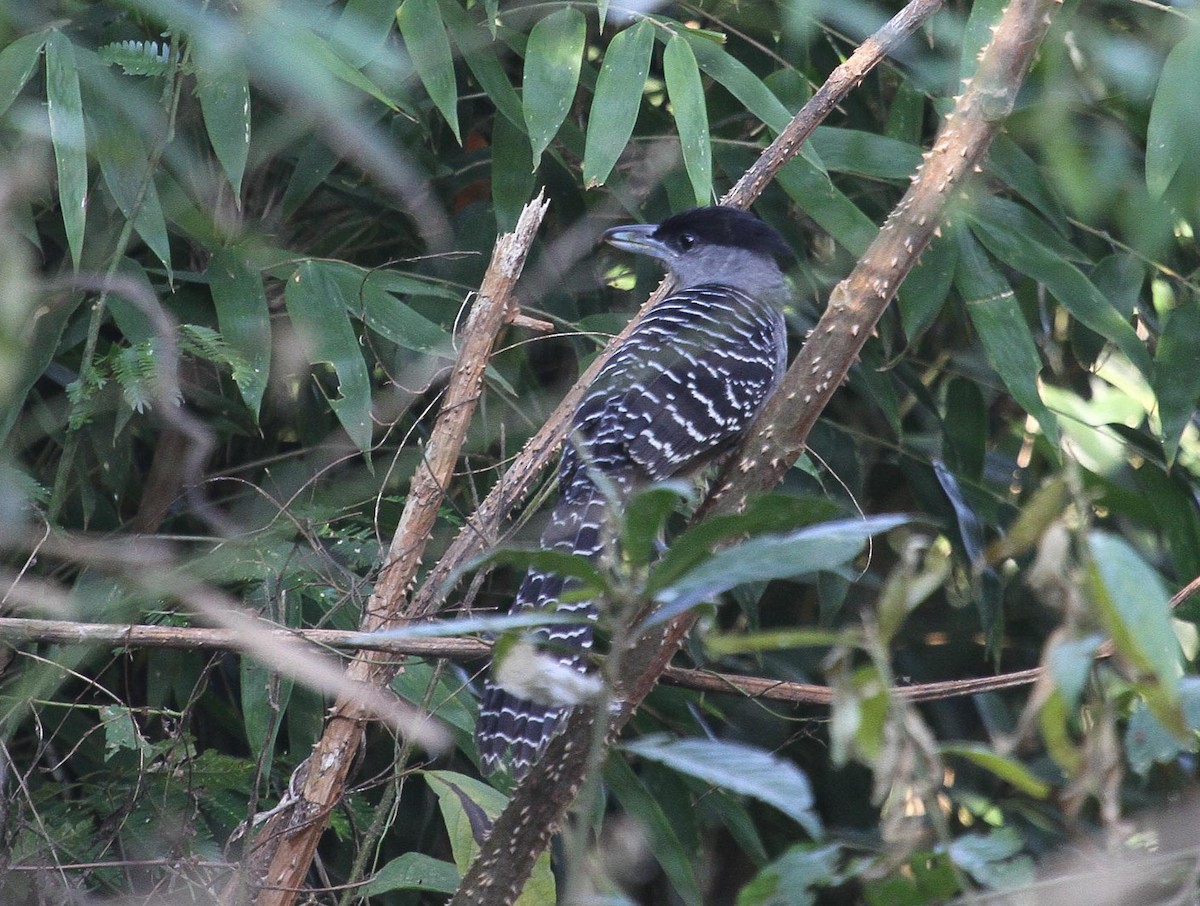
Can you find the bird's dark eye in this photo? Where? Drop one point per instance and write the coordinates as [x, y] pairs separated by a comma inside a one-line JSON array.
[[686, 241]]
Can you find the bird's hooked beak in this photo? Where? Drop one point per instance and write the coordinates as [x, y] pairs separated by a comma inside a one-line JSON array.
[[639, 238]]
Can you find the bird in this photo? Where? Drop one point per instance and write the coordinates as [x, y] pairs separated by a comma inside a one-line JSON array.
[[681, 390]]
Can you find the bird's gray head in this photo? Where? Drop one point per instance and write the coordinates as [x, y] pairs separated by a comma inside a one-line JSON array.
[[711, 245]]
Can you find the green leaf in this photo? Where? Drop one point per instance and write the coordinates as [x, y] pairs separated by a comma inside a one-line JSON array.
[[809, 550], [668, 849], [1177, 373], [924, 291], [1133, 604], [64, 105], [790, 879], [553, 56], [1070, 662], [1146, 739], [977, 34], [1171, 134], [316, 49], [865, 153], [124, 166], [368, 298], [223, 86], [244, 321], [425, 38], [992, 859], [17, 62], [1023, 252], [691, 115], [469, 805], [512, 164], [1006, 338], [617, 100], [644, 516], [318, 311], [815, 194], [1007, 769], [738, 768], [414, 871], [769, 513], [478, 49]]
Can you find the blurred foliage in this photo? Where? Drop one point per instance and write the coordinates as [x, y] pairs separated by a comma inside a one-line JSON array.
[[285, 203]]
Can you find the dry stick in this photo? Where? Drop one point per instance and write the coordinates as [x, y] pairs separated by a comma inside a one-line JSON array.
[[279, 856], [855, 305], [258, 635]]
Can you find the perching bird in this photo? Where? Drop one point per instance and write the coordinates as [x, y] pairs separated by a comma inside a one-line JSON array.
[[681, 390]]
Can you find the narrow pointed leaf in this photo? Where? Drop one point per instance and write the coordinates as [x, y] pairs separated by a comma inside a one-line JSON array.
[[553, 57], [1177, 373], [997, 318], [1016, 247], [617, 100], [1171, 133], [686, 92], [65, 108], [223, 87], [739, 769], [244, 321], [124, 166], [318, 311], [809, 550], [17, 62], [1133, 604], [425, 37]]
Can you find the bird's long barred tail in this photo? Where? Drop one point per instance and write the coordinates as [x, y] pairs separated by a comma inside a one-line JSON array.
[[509, 722]]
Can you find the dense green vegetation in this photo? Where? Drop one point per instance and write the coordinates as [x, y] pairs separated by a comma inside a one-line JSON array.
[[235, 244]]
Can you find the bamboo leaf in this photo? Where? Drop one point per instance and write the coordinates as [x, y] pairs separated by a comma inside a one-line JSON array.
[[318, 312], [1006, 337], [617, 100], [223, 87], [65, 108], [691, 115], [1171, 133], [17, 62], [553, 57], [244, 321], [425, 37]]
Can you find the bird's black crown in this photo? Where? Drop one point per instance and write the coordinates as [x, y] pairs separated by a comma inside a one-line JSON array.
[[720, 225]]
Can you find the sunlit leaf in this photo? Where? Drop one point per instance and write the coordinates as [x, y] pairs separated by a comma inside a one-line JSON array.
[[1007, 769], [469, 807], [553, 57]]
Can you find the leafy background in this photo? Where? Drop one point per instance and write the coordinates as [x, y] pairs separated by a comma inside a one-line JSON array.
[[310, 190]]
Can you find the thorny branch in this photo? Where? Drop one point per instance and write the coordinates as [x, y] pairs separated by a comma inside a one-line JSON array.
[[540, 803], [279, 855]]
